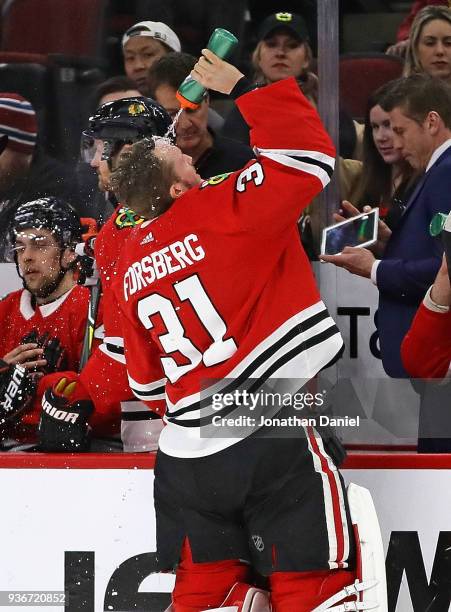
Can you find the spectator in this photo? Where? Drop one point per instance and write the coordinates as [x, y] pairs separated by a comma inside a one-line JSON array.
[[142, 45], [404, 29], [385, 178], [211, 154], [43, 324], [419, 107], [283, 50], [429, 47], [26, 172], [306, 8], [114, 88], [426, 353]]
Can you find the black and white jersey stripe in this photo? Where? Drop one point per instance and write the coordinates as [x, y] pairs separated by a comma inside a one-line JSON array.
[[312, 162], [113, 346], [150, 391], [133, 410]]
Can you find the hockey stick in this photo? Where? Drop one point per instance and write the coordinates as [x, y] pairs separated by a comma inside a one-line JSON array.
[[95, 291], [93, 307]]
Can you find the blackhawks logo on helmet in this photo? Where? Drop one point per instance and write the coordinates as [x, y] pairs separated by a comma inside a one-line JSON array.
[[127, 218], [136, 109]]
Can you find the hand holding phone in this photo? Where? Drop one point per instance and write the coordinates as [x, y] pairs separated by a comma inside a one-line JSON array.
[[358, 231]]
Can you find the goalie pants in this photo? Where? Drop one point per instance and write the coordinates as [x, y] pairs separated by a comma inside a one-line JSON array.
[[278, 504]]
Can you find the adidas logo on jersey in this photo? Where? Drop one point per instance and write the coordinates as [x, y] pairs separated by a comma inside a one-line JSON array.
[[147, 239]]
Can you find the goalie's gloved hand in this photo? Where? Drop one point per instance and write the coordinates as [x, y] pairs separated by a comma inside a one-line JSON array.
[[17, 388], [88, 273], [63, 426]]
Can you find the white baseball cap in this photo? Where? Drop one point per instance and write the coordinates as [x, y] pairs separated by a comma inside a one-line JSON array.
[[155, 29]]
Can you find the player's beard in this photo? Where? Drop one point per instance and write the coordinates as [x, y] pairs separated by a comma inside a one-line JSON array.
[[47, 287]]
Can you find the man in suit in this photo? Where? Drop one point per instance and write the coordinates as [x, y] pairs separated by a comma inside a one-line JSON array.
[[420, 114]]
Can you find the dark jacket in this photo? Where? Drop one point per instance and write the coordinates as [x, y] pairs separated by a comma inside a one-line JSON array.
[[225, 155], [410, 262]]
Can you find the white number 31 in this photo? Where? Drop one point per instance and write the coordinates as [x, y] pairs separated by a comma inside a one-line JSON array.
[[175, 339]]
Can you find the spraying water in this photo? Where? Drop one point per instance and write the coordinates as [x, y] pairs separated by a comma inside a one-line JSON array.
[[171, 129]]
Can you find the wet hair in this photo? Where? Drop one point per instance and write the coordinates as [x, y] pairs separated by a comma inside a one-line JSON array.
[[142, 180], [428, 13]]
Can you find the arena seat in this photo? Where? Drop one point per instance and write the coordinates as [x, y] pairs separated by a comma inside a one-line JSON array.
[[59, 92], [30, 76], [360, 74], [54, 26]]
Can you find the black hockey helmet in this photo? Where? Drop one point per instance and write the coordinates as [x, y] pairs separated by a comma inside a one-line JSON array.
[[48, 213], [123, 121]]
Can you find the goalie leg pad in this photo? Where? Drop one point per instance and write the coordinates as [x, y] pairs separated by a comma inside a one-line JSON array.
[[370, 550], [244, 598], [303, 591], [370, 589]]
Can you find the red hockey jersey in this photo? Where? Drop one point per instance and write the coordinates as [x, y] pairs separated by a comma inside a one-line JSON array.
[[219, 287], [104, 375], [64, 318], [426, 349]]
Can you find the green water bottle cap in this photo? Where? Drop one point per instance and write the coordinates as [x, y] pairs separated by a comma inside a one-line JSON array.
[[437, 224]]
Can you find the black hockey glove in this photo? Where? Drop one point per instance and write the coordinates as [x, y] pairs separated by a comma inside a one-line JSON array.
[[63, 426], [17, 388], [54, 352]]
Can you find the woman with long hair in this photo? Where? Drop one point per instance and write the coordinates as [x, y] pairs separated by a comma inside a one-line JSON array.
[[429, 47], [385, 178], [283, 51]]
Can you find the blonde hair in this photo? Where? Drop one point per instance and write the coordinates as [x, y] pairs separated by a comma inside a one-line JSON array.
[[259, 76], [428, 13]]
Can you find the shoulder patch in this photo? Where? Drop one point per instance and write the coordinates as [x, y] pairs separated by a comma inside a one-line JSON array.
[[215, 180], [125, 217]]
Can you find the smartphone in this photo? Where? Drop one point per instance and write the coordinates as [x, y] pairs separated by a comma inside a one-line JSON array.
[[358, 231]]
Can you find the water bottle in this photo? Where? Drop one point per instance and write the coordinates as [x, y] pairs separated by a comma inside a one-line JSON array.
[[190, 93]]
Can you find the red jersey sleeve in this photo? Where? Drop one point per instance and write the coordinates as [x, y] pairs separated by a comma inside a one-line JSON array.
[[426, 349], [295, 158], [145, 375]]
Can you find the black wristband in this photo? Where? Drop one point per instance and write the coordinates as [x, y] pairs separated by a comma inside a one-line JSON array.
[[244, 85]]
